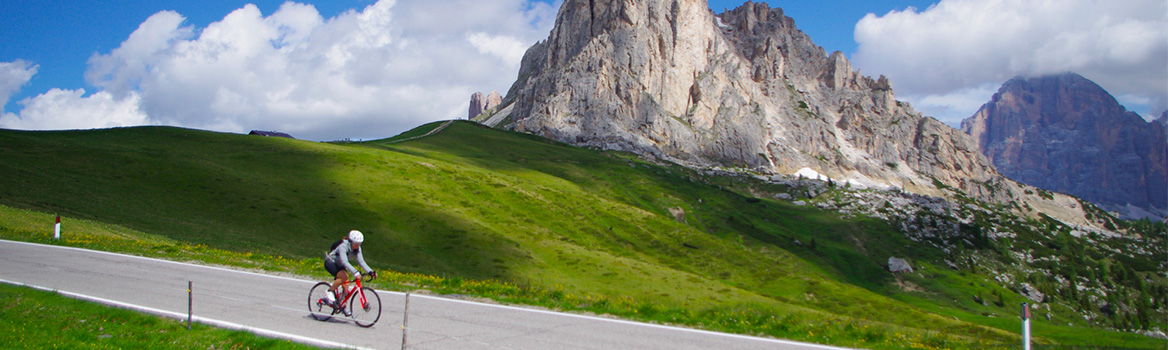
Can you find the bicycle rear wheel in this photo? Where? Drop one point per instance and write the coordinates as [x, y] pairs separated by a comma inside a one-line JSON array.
[[367, 313], [318, 307]]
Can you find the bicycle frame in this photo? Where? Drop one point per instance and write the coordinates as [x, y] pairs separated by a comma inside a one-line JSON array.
[[353, 293]]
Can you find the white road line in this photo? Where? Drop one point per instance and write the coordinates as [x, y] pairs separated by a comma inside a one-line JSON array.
[[208, 321]]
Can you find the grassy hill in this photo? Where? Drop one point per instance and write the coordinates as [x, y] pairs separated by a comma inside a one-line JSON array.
[[476, 203]]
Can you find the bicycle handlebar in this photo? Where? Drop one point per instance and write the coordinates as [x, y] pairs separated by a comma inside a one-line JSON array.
[[364, 278]]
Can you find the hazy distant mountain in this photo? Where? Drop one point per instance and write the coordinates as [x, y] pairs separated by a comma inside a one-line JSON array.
[[1065, 133]]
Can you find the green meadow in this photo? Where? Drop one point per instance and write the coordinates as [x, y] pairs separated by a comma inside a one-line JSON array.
[[515, 218]]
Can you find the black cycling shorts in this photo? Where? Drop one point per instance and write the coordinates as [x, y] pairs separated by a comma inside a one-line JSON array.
[[333, 267]]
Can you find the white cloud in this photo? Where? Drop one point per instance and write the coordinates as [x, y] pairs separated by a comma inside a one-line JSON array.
[[362, 74], [121, 69], [962, 45], [509, 49], [69, 109], [13, 75], [954, 103]]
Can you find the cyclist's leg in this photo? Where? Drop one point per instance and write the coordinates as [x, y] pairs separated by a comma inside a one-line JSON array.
[[339, 276], [342, 277]]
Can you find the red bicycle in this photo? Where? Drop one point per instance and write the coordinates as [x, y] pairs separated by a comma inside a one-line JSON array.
[[363, 303]]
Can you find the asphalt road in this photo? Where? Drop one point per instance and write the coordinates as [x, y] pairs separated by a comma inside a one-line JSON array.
[[276, 306]]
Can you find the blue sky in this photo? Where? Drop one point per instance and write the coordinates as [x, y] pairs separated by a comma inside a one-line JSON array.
[[400, 64], [60, 35], [829, 23]]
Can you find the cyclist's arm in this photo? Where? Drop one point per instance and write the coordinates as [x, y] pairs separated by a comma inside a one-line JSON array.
[[344, 250], [361, 260]]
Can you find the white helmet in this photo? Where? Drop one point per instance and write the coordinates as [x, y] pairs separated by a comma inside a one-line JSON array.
[[356, 236]]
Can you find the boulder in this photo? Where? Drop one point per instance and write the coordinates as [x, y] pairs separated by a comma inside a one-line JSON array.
[[898, 265], [1032, 293]]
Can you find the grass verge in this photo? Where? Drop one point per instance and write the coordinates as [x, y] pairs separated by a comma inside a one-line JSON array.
[[35, 319]]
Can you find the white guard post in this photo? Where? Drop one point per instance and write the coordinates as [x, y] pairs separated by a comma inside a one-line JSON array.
[[57, 229], [1025, 326]]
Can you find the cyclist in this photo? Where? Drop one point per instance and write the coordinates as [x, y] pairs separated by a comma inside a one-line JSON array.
[[336, 261]]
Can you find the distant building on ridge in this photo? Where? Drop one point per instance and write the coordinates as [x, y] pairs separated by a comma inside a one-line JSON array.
[[270, 133]]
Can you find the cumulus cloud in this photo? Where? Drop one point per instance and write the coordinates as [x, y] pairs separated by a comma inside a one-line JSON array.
[[365, 73], [507, 48], [13, 75], [940, 57], [69, 109], [120, 70]]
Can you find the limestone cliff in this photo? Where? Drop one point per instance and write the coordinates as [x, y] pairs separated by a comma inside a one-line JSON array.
[[744, 89]]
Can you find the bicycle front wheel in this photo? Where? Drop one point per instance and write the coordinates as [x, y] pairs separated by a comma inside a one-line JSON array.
[[318, 307], [365, 312]]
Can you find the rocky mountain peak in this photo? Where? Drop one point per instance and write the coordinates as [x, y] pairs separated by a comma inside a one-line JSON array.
[[1065, 133], [745, 89]]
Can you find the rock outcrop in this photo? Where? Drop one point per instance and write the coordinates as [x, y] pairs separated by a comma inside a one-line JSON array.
[[898, 265], [1064, 133], [480, 103], [745, 89]]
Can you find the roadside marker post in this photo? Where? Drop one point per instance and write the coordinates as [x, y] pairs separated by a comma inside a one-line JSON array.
[[405, 321], [1025, 326], [190, 303], [57, 228]]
